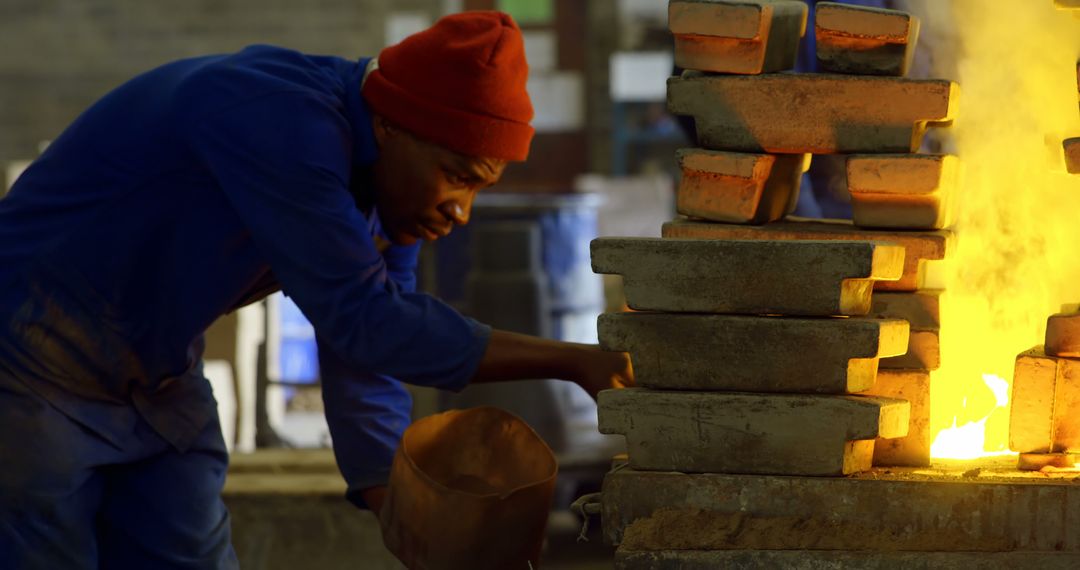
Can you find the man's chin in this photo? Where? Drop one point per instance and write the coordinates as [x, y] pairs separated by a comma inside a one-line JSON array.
[[410, 236], [403, 239]]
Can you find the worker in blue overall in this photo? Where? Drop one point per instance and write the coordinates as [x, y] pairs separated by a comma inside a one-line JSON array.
[[207, 184]]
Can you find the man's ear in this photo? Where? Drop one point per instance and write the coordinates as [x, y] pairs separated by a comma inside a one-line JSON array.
[[382, 129]]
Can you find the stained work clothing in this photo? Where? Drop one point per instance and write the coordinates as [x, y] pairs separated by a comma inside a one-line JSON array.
[[186, 193], [70, 499]]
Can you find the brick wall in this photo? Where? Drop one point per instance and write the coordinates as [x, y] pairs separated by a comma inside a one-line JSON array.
[[58, 56]]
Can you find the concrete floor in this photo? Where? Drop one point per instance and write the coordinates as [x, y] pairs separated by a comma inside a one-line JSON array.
[[564, 552]]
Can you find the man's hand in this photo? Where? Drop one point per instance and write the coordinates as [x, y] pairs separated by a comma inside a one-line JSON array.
[[603, 370], [512, 356]]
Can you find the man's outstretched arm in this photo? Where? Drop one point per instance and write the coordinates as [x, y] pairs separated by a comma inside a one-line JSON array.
[[512, 356]]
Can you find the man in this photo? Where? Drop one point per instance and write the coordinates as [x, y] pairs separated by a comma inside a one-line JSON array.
[[202, 186]]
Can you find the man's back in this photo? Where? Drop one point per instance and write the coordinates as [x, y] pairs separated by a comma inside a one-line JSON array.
[[118, 246]]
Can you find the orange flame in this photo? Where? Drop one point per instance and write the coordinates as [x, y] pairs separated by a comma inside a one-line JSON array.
[[969, 440]]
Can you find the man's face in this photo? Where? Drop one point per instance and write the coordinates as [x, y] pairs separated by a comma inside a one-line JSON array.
[[423, 190]]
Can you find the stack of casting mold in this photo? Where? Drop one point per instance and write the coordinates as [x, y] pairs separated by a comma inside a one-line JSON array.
[[1044, 422], [761, 129], [1072, 146], [757, 348]]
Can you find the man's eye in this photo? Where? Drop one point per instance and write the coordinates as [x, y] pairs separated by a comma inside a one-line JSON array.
[[455, 179]]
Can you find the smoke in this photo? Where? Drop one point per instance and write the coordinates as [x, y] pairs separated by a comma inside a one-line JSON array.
[[1016, 258]]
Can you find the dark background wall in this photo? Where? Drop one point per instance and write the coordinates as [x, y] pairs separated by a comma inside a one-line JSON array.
[[58, 56]]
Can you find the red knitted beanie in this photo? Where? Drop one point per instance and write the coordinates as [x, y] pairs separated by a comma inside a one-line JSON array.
[[459, 84]]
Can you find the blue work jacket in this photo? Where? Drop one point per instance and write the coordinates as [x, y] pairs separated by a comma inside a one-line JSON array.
[[188, 192]]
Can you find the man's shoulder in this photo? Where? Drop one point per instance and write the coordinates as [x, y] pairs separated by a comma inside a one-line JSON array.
[[259, 71]]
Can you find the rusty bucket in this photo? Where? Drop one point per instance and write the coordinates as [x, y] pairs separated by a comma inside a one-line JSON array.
[[469, 489]]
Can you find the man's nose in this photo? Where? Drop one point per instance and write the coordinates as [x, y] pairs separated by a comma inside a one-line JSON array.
[[460, 209]]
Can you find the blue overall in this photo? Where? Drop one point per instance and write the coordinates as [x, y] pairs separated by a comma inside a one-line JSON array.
[[190, 191]]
